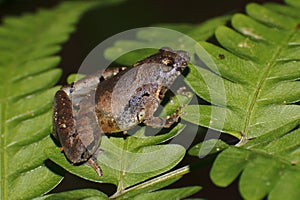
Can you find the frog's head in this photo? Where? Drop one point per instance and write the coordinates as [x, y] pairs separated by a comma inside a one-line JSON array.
[[175, 60], [173, 63], [168, 57], [163, 67]]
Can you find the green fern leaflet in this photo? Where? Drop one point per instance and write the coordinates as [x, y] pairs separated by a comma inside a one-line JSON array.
[[259, 66], [27, 62]]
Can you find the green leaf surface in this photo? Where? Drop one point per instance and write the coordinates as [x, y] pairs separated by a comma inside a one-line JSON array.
[[208, 147], [126, 162], [74, 77], [264, 169], [176, 102], [76, 194], [27, 45], [170, 194], [252, 80], [293, 3], [257, 70]]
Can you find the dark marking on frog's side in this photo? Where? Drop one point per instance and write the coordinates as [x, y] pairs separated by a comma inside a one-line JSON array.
[[114, 101]]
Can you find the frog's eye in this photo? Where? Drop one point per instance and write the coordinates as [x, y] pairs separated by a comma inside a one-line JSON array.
[[167, 62]]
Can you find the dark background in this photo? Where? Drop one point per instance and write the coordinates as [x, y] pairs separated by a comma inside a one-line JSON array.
[[99, 24]]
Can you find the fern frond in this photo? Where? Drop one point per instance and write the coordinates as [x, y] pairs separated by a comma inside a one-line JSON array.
[[28, 46], [259, 69]]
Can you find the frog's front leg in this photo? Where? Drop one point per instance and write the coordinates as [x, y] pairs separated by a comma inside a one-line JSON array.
[[158, 122]]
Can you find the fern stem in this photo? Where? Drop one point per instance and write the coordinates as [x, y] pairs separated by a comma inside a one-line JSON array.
[[176, 173], [122, 172]]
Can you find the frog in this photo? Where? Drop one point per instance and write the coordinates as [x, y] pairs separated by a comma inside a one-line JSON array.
[[114, 101]]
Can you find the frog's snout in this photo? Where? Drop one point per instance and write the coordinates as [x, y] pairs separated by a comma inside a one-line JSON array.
[[182, 60], [184, 56]]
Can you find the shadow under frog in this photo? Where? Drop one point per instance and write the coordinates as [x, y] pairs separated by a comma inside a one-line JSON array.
[[113, 101]]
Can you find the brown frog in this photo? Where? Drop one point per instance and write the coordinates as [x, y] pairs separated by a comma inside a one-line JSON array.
[[114, 101]]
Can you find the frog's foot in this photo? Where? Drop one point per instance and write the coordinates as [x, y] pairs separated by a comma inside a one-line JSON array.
[[92, 161]]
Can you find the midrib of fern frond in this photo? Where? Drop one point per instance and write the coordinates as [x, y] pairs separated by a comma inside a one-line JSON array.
[[120, 186], [263, 79]]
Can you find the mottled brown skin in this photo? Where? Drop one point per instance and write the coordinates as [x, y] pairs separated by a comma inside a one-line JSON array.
[[75, 123], [108, 102], [132, 96]]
